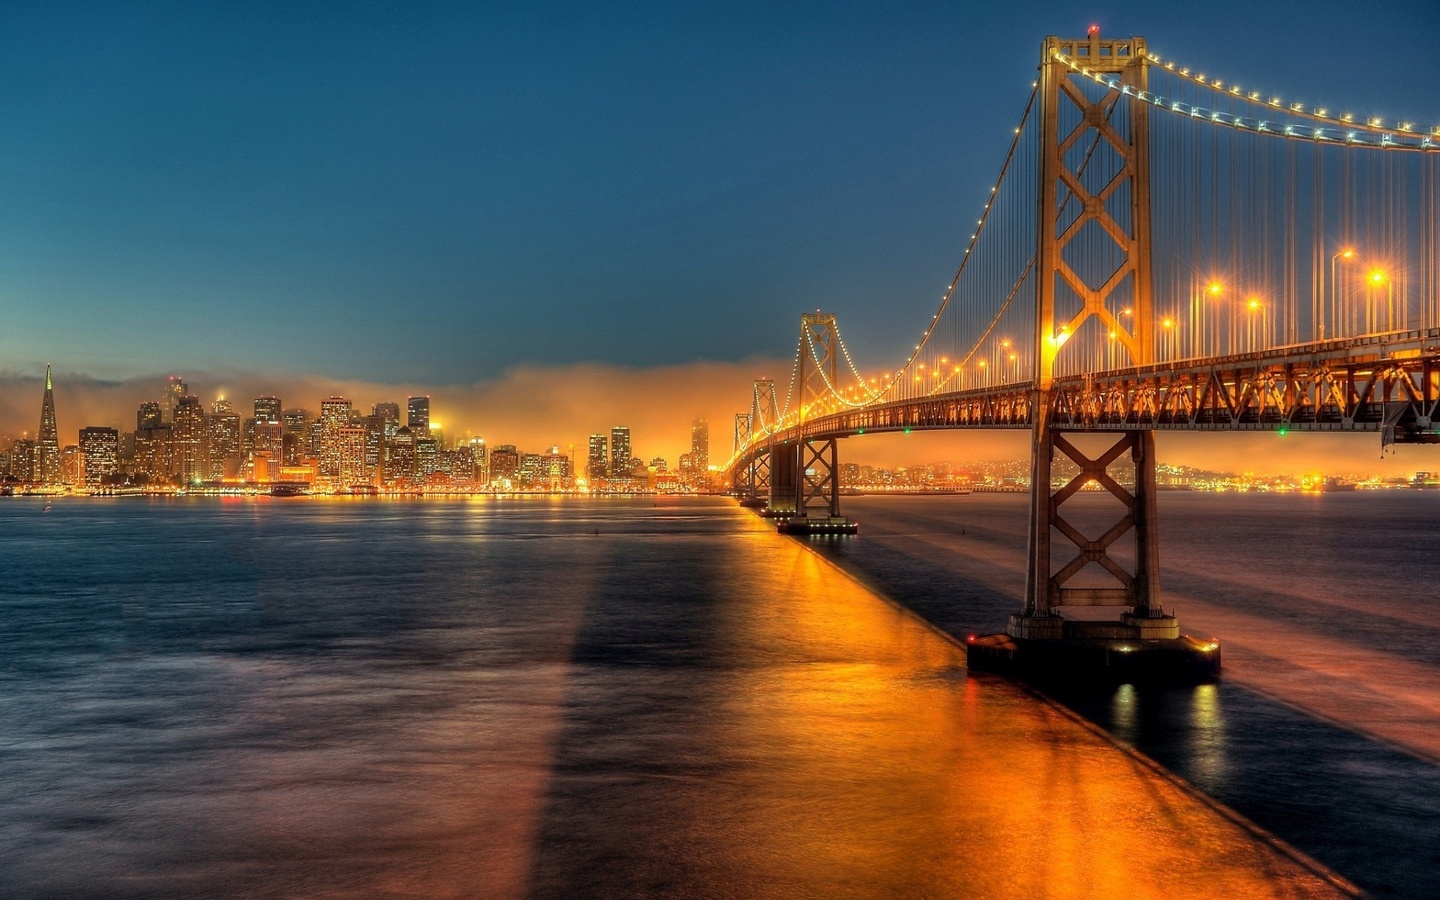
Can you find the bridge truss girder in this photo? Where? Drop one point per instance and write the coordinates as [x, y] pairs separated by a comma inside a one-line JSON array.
[[1386, 387]]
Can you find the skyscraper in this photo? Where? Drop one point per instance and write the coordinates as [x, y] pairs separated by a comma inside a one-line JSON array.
[[334, 415], [596, 468], [268, 409], [620, 452], [400, 457], [149, 415], [175, 390], [504, 464], [188, 438], [101, 447], [700, 445], [47, 447], [223, 432], [350, 462], [419, 419], [152, 443]]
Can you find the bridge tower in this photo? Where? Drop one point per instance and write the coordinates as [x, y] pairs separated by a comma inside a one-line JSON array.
[[1094, 181], [763, 417], [805, 474], [744, 474]]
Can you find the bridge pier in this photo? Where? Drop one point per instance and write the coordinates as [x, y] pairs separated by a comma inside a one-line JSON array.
[[752, 480], [805, 488], [1070, 580], [1136, 590]]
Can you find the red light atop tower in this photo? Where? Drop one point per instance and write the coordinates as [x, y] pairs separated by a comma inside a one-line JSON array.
[[1093, 30]]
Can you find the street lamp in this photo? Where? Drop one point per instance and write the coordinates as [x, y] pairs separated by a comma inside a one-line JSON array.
[[1253, 332], [1346, 254], [1202, 324], [1167, 338], [1377, 278]]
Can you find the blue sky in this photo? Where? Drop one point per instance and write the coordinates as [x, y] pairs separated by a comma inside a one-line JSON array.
[[436, 193]]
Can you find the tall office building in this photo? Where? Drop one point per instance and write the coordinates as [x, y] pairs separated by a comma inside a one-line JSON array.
[[532, 470], [101, 447], [47, 446], [223, 433], [296, 421], [152, 443], [619, 452], [556, 467], [175, 390], [598, 465], [419, 418], [268, 409], [400, 457], [269, 444], [700, 446], [374, 443], [188, 437], [334, 415], [482, 461], [149, 415], [427, 456], [72, 466], [389, 414], [22, 460], [351, 468], [504, 463]]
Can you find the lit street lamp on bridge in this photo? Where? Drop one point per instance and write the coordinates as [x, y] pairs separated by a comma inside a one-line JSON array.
[[1205, 324], [1257, 325], [1319, 313], [1377, 278], [1169, 339]]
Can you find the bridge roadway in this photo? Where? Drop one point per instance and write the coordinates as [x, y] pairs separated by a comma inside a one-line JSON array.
[[1387, 383]]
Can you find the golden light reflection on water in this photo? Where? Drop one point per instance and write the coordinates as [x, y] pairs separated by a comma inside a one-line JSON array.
[[878, 765], [1207, 734]]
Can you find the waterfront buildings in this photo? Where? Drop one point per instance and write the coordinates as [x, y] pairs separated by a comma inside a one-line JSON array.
[[180, 443]]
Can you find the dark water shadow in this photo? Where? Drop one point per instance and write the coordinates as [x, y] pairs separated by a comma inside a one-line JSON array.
[[648, 668]]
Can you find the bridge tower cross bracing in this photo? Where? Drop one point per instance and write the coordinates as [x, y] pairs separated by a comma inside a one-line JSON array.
[[1122, 136], [744, 474], [815, 476], [764, 417]]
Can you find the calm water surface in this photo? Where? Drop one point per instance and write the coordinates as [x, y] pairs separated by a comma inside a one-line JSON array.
[[562, 699]]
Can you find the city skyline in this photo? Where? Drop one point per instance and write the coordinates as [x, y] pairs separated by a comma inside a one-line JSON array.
[[180, 440], [522, 409]]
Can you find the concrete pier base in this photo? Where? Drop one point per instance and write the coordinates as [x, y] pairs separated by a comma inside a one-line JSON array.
[[816, 525], [1113, 652]]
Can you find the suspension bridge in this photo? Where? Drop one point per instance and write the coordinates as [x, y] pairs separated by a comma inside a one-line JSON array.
[[1161, 250]]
